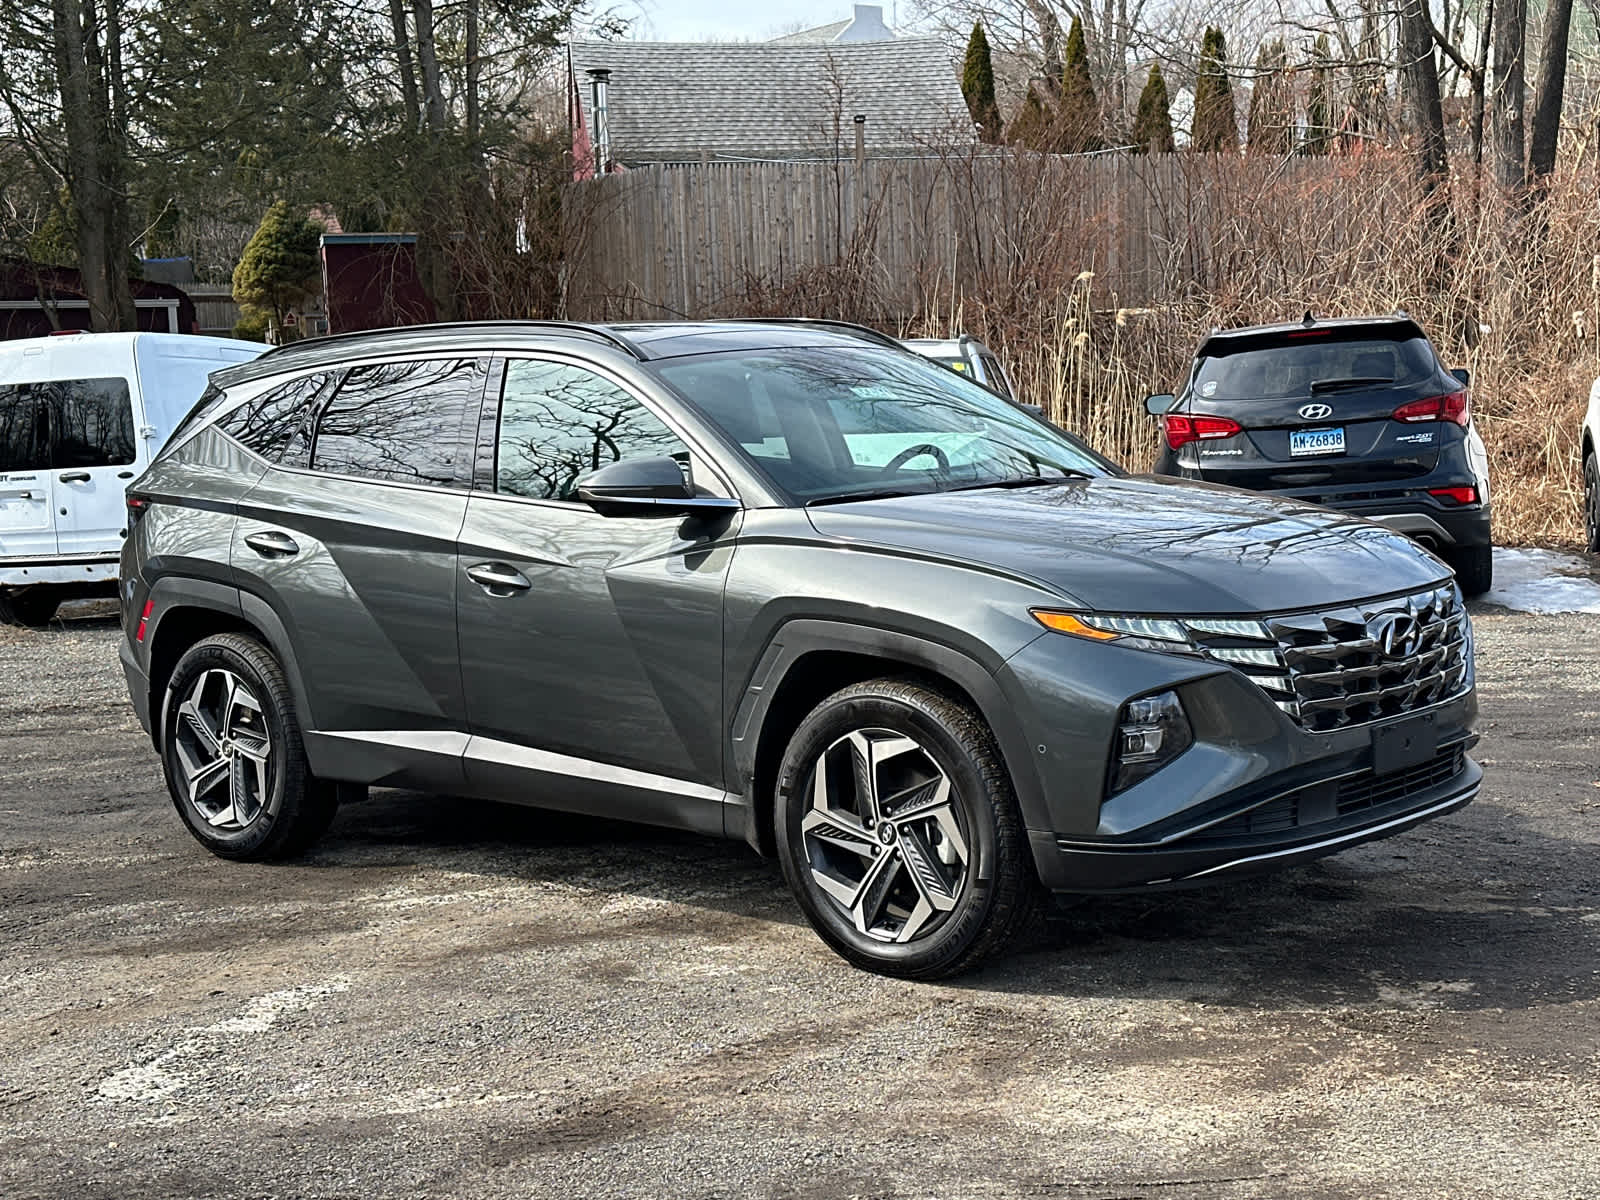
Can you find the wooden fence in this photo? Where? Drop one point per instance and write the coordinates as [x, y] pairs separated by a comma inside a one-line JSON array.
[[713, 239]]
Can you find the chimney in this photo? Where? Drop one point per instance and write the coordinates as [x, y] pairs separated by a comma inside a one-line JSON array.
[[866, 25], [601, 82]]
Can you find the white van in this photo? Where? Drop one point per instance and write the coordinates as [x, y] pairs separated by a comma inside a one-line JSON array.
[[80, 415]]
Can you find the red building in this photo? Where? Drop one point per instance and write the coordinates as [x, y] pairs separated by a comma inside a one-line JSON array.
[[370, 281]]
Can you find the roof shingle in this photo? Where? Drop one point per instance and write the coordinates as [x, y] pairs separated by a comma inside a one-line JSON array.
[[674, 101]]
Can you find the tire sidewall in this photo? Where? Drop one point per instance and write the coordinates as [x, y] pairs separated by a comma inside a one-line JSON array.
[[831, 721], [1591, 498], [242, 843]]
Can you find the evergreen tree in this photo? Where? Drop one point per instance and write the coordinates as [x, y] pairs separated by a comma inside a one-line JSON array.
[[279, 267], [977, 85], [1078, 118], [1031, 123], [1152, 121], [1215, 127], [1319, 104], [1271, 119]]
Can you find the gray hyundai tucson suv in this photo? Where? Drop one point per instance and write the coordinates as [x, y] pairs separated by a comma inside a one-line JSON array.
[[779, 581]]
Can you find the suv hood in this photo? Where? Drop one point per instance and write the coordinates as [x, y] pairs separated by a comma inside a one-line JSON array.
[[1148, 545]]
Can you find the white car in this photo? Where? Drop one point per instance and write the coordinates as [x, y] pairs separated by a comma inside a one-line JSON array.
[[1591, 471], [968, 356], [80, 415]]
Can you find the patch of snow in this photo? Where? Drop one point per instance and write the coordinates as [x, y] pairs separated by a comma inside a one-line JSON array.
[[1543, 581]]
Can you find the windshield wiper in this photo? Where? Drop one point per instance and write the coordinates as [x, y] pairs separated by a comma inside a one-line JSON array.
[[1022, 481], [1335, 385], [866, 494]]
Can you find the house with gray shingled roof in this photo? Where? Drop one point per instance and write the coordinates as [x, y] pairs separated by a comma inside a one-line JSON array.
[[681, 102]]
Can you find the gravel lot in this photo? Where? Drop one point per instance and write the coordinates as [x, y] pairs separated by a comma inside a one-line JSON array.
[[455, 999]]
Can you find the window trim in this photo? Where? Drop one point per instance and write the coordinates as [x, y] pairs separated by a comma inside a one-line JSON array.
[[486, 456]]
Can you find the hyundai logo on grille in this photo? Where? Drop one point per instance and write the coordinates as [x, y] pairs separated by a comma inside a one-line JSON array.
[[1396, 634], [1316, 412]]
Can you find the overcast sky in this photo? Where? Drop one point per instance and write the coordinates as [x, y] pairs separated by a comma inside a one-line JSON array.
[[696, 20]]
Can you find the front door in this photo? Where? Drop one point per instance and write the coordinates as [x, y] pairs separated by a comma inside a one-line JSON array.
[[591, 646], [94, 453]]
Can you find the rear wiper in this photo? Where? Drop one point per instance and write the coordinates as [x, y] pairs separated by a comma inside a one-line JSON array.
[[869, 494], [1335, 385], [1022, 481]]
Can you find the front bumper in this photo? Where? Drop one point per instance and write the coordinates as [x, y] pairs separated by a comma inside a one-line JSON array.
[[1255, 790], [1299, 831]]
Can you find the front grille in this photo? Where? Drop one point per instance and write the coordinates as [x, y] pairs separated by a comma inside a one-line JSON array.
[[1370, 791], [1333, 668], [1327, 802]]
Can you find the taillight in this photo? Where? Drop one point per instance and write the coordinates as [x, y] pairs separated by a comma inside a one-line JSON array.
[[137, 507], [1461, 495], [1183, 429], [1455, 407], [144, 619]]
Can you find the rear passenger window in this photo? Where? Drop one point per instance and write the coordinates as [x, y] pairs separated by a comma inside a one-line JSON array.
[[277, 424], [559, 423], [402, 421]]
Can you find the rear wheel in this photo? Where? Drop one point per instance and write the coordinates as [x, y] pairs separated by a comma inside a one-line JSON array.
[[1474, 568], [234, 761], [30, 606], [899, 833], [1591, 503]]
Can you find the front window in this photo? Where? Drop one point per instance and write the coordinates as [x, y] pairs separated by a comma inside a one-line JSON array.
[[833, 422]]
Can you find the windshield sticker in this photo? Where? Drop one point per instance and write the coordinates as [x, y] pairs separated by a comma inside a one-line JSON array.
[[1209, 388], [873, 391]]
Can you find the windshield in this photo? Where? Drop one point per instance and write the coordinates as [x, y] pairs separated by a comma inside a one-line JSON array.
[[1299, 368], [834, 422]]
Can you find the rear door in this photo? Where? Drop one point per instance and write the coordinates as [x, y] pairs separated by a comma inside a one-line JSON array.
[[94, 451], [26, 530], [1313, 407], [351, 539]]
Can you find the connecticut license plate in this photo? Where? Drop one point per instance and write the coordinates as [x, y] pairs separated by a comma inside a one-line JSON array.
[[1316, 441]]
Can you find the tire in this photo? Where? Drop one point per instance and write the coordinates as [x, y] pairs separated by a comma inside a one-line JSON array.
[[943, 884], [1591, 503], [32, 607], [234, 761], [1474, 568]]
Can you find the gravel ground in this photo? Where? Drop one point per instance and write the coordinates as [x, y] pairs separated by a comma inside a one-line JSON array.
[[456, 999]]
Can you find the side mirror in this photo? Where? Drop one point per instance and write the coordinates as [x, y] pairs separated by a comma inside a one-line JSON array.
[[1462, 374], [644, 487], [1159, 406]]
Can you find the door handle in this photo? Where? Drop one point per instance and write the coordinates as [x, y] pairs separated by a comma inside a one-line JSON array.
[[498, 579], [124, 474], [75, 477], [272, 544]]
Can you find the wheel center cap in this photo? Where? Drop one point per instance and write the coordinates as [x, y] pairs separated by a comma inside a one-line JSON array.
[[886, 833]]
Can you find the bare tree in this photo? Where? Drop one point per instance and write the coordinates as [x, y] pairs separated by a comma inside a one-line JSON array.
[[1508, 95], [1549, 90]]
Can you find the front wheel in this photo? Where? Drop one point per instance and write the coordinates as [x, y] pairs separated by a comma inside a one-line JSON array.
[[898, 831], [1474, 568], [32, 607], [1591, 503], [234, 761]]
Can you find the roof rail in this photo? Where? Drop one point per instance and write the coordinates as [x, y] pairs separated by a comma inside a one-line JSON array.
[[864, 332], [598, 332]]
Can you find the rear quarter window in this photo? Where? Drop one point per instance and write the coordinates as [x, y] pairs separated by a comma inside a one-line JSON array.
[[277, 424], [1293, 367]]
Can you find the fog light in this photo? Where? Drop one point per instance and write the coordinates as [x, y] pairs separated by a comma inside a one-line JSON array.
[[1152, 731]]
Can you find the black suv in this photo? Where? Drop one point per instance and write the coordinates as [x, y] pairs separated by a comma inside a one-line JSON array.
[[785, 582], [1357, 414]]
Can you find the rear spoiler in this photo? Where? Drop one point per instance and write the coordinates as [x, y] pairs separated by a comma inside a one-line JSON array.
[[1223, 342]]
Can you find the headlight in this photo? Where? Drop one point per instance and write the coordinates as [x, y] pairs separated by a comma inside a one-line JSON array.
[[1190, 635], [1151, 732]]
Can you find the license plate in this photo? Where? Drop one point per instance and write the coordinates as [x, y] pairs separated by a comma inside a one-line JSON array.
[[1316, 441], [1404, 744]]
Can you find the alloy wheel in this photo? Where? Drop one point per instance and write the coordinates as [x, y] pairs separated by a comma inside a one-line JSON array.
[[223, 749], [885, 840], [1591, 498]]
